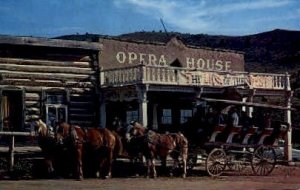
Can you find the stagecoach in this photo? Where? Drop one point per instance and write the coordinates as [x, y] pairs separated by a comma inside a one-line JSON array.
[[256, 148]]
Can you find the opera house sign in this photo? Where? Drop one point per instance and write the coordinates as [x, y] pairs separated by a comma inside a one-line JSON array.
[[117, 53], [161, 60]]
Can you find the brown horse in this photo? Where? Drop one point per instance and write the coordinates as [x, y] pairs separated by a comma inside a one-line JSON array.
[[46, 142], [154, 145], [101, 142]]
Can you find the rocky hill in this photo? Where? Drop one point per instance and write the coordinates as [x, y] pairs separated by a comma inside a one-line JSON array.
[[276, 51], [273, 51]]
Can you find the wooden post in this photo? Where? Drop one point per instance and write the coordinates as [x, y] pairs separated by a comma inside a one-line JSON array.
[[143, 104], [102, 110], [250, 99], [288, 119], [155, 123], [11, 153], [288, 137]]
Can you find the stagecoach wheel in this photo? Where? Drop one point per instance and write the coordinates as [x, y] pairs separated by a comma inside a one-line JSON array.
[[216, 162], [263, 160]]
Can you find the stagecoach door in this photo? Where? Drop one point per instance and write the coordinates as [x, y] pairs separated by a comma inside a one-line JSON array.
[[12, 106]]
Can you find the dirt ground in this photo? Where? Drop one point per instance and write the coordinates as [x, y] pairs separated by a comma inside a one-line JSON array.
[[124, 178], [282, 178]]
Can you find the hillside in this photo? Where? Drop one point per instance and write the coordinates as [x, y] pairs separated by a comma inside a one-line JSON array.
[[272, 51]]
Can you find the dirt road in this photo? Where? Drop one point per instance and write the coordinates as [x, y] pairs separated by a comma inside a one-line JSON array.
[[281, 178], [192, 183]]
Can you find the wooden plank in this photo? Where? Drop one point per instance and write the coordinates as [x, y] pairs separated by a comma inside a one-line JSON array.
[[33, 109], [46, 83], [40, 88], [81, 90], [58, 76], [34, 96], [32, 104], [79, 110], [45, 69], [87, 105], [85, 116], [15, 133], [82, 98], [77, 64], [32, 116], [50, 42]]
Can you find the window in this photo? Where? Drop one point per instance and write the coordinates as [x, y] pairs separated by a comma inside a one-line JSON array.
[[56, 108], [185, 115], [132, 116], [166, 116]]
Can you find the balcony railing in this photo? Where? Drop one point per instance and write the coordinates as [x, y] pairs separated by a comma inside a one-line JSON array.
[[143, 74]]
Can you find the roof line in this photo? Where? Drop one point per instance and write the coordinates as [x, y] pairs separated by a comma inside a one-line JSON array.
[[47, 42], [165, 43]]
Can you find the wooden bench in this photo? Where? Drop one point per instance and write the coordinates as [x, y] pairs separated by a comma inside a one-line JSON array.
[[234, 130], [265, 133], [218, 129], [251, 131]]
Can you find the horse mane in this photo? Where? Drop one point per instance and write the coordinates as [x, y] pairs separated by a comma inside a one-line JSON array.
[[142, 130], [42, 127]]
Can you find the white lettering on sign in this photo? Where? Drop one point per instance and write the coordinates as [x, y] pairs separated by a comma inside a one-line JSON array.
[[121, 57], [208, 64], [141, 58], [154, 60], [162, 61], [212, 79]]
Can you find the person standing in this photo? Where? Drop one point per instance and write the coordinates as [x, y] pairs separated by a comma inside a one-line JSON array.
[[234, 117]]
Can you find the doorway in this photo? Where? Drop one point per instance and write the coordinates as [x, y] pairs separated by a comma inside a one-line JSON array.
[[12, 110]]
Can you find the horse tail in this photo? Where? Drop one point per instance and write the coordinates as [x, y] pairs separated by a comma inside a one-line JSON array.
[[118, 150]]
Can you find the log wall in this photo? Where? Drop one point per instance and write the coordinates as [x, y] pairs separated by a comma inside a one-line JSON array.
[[73, 71]]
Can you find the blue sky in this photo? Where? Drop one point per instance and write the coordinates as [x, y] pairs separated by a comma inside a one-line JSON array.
[[50, 18]]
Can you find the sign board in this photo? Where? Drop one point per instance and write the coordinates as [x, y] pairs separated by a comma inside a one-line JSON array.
[[202, 78], [205, 78], [117, 54]]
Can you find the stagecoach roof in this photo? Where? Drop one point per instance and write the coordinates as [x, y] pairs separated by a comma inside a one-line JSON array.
[[250, 104]]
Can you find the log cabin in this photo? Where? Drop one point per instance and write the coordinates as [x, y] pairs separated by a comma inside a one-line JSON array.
[[51, 79]]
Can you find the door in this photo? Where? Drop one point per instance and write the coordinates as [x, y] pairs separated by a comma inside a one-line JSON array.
[[12, 110]]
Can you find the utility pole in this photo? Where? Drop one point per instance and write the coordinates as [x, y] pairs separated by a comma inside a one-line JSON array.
[[162, 22]]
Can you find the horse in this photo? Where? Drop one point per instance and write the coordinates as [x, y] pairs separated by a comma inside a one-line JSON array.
[[99, 142], [154, 145], [46, 141]]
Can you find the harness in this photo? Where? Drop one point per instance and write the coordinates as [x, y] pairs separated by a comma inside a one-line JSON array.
[[74, 136]]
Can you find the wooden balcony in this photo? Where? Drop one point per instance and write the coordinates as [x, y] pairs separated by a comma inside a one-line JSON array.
[[143, 74]]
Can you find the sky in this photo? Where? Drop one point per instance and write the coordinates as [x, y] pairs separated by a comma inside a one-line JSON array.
[[51, 18]]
